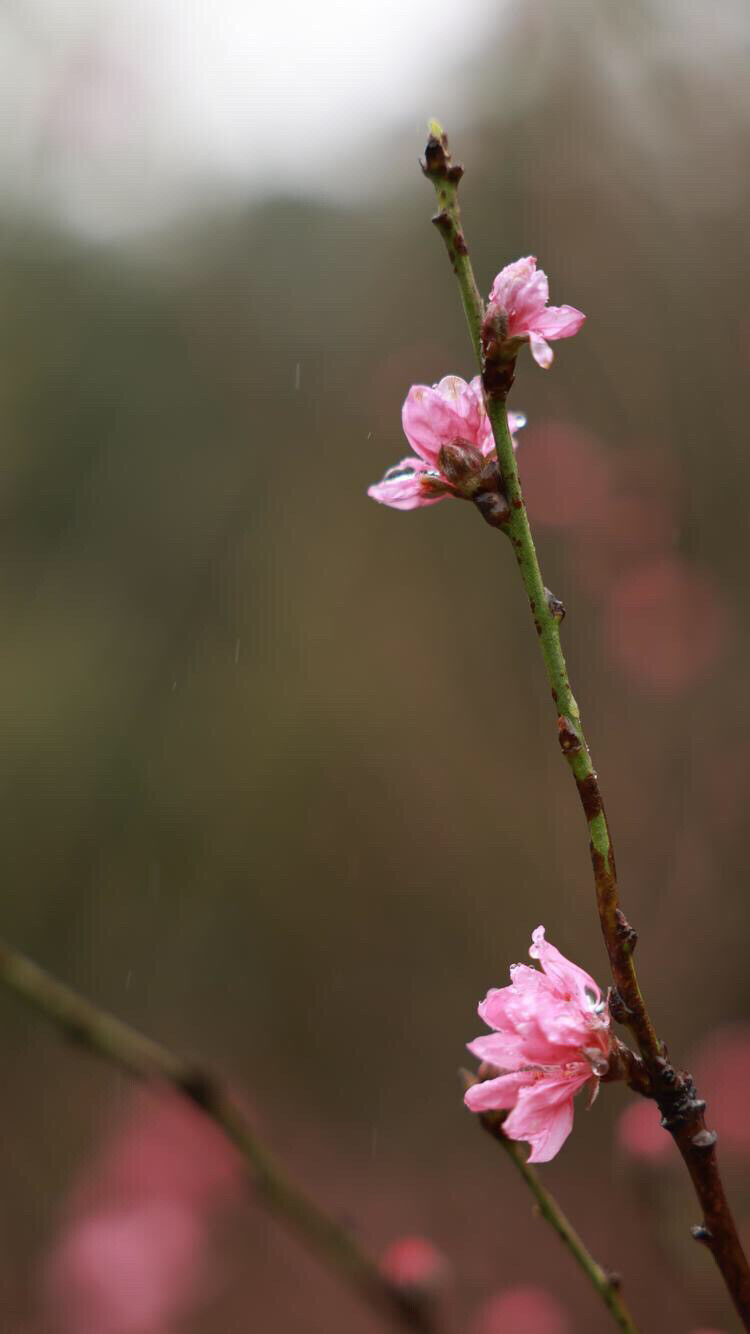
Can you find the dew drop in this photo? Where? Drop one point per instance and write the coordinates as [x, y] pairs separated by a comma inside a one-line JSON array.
[[593, 1000]]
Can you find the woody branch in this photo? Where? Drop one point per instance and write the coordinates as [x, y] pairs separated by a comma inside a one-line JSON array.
[[650, 1072]]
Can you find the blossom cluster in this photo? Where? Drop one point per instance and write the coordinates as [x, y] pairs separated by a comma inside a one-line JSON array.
[[447, 424]]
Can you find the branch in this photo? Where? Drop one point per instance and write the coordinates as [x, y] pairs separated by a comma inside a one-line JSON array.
[[682, 1111], [607, 1285], [107, 1036]]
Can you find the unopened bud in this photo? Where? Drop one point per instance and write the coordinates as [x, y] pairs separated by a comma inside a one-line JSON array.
[[493, 508], [459, 462], [499, 352], [570, 741]]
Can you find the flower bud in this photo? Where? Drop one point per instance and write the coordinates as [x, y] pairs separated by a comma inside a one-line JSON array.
[[499, 353], [459, 462], [493, 507]]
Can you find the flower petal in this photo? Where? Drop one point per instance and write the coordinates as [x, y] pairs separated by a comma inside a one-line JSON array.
[[559, 322], [500, 1049], [541, 351], [409, 485], [497, 1095], [569, 981], [501, 1006], [522, 291], [543, 1114], [449, 411]]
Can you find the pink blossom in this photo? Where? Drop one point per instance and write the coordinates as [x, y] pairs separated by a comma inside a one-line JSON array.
[[519, 295], [525, 1309], [127, 1270], [413, 1263], [551, 1038], [165, 1147], [450, 414], [133, 1252]]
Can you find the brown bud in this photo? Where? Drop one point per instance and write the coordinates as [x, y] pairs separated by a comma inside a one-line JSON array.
[[570, 742], [459, 462], [493, 507], [437, 162], [499, 352]]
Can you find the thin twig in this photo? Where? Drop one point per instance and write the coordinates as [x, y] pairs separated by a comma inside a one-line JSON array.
[[682, 1110], [607, 1285], [107, 1036]]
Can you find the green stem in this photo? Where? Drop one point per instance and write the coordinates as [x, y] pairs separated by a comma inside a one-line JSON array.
[[618, 936], [107, 1036], [607, 1285], [674, 1092], [445, 176]]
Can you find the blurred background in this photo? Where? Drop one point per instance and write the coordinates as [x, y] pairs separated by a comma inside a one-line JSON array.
[[256, 797]]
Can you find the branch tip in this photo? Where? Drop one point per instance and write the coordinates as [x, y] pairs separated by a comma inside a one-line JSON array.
[[437, 162]]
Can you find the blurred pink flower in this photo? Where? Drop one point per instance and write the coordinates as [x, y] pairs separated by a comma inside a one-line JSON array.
[[721, 1067], [133, 1251], [520, 293], [551, 1037], [414, 1263], [567, 475], [167, 1147], [667, 623], [522, 1310], [640, 1133], [450, 416], [126, 1270]]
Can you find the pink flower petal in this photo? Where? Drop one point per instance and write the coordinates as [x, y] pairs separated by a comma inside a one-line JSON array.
[[451, 410], [497, 1095], [541, 351], [521, 291], [403, 487], [543, 1114], [500, 1049], [570, 980], [559, 322], [553, 1018]]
